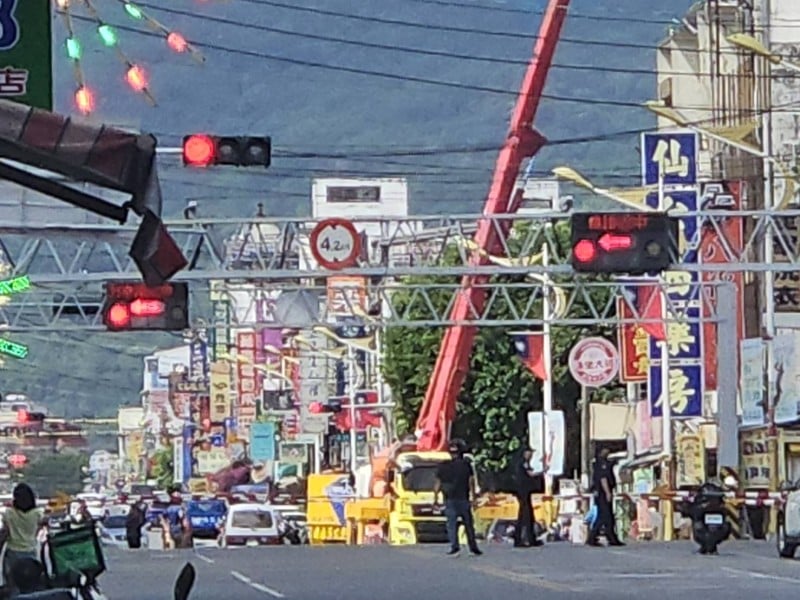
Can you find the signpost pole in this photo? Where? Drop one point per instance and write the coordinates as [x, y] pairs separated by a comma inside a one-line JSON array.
[[585, 434], [547, 384]]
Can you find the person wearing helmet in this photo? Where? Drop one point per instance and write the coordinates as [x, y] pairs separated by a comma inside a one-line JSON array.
[[456, 480]]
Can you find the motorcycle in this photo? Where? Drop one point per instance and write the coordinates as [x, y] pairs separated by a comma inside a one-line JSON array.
[[289, 532], [37, 585], [707, 512]]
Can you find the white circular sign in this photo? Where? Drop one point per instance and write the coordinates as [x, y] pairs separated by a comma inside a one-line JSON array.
[[335, 243], [594, 362]]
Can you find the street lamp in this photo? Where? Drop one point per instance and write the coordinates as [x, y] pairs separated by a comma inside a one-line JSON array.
[[632, 197], [748, 42]]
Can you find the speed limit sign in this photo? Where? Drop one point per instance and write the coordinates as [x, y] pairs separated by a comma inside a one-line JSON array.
[[335, 244]]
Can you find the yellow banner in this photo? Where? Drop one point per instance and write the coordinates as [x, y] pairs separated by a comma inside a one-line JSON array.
[[134, 446], [691, 460], [220, 374]]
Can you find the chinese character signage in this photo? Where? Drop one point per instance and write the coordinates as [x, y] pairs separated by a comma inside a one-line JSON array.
[[787, 378], [752, 382], [634, 347], [757, 458], [685, 391], [683, 338], [671, 156], [345, 294], [716, 247], [675, 203], [691, 460], [247, 383], [220, 391], [262, 441], [198, 358], [26, 67], [313, 382]]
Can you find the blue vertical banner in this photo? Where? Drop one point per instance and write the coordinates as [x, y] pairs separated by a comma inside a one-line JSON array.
[[262, 441], [670, 160], [198, 358], [188, 453]]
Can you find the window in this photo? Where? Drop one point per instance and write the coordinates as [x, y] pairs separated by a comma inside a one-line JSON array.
[[362, 193], [251, 519]]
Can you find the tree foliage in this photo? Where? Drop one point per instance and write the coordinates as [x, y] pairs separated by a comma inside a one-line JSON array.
[[50, 474], [499, 390], [162, 469]]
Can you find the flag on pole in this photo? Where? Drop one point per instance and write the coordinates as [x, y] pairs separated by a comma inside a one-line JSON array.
[[650, 306], [530, 349]]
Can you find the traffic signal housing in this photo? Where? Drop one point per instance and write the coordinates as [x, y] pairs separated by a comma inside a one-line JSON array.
[[333, 405], [133, 306], [203, 150], [624, 243]]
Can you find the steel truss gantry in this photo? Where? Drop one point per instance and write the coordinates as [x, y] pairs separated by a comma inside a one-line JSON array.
[[69, 264]]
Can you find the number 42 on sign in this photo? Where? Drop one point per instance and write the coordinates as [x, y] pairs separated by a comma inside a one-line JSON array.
[[335, 244]]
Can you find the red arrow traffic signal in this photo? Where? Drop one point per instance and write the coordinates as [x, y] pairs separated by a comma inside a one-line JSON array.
[[614, 241]]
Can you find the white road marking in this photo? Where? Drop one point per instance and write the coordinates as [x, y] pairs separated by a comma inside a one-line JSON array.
[[641, 575], [267, 590], [205, 558], [256, 586], [754, 575]]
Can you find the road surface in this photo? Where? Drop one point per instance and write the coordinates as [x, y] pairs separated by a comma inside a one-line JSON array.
[[560, 570]]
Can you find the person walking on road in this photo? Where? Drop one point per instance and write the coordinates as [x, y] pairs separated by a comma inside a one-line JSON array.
[[525, 482], [456, 479], [19, 533], [603, 485], [133, 526]]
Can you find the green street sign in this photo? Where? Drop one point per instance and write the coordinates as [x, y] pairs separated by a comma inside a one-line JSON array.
[[13, 286], [26, 57], [13, 349]]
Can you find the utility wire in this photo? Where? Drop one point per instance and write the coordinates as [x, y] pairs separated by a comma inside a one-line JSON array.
[[409, 78]]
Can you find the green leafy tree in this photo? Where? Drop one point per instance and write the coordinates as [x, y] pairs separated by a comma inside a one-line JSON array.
[[163, 468], [499, 391], [50, 474]]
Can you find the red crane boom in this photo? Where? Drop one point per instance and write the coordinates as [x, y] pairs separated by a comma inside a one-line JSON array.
[[523, 141]]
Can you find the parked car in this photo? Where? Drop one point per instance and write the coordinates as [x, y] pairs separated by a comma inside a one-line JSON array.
[[206, 517], [112, 530], [788, 536], [251, 524]]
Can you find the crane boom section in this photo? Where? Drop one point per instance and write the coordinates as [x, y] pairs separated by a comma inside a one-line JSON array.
[[439, 406]]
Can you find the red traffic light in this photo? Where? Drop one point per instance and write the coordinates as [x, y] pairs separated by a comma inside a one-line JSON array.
[[119, 315], [199, 150], [584, 251], [615, 241], [147, 308], [17, 460]]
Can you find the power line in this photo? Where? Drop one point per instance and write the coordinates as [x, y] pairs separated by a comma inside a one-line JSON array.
[[426, 26], [403, 78]]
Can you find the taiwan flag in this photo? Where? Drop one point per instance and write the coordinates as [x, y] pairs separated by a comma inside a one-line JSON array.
[[530, 349]]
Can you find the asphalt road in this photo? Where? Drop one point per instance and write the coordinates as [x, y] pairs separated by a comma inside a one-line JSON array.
[[560, 570]]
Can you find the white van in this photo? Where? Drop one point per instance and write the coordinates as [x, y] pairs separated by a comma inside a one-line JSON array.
[[251, 524]]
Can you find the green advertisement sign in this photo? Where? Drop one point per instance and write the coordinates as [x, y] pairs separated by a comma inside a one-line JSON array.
[[26, 62]]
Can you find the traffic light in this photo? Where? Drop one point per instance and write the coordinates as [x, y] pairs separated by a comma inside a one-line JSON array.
[[202, 150], [625, 243], [133, 306], [333, 405]]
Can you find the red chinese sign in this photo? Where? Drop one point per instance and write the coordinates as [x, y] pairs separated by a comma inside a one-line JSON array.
[[634, 343], [715, 249]]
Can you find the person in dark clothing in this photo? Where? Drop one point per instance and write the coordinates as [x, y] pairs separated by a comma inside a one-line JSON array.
[[526, 481], [456, 479], [133, 526], [603, 485]]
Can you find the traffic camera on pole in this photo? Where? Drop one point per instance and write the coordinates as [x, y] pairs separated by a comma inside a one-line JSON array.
[[133, 306], [203, 150], [624, 243]]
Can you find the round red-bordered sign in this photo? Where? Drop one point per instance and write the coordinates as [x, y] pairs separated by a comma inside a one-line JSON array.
[[335, 244], [594, 362]]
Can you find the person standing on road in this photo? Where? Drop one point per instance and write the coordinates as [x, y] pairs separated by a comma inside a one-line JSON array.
[[525, 482], [133, 526], [603, 485], [19, 533], [456, 479]]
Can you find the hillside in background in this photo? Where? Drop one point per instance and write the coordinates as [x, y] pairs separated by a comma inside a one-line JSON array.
[[338, 85]]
